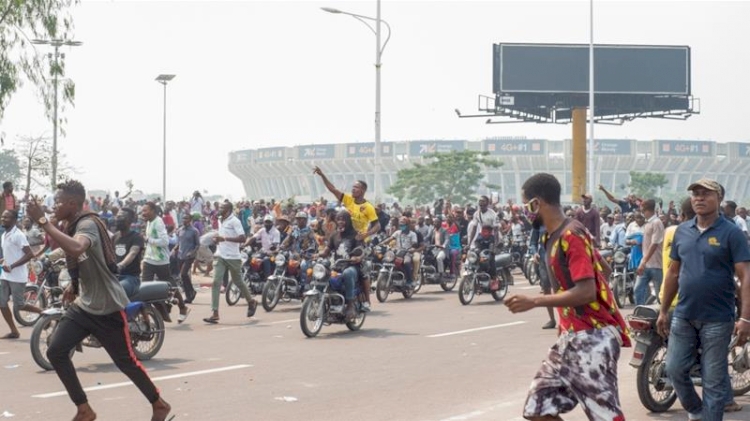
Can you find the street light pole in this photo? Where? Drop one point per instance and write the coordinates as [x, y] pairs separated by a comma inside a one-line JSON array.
[[56, 44], [592, 176], [163, 79], [377, 187]]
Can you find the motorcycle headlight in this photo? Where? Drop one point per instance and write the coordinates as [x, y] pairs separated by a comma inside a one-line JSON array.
[[36, 267], [280, 259], [619, 257], [389, 256], [319, 271], [64, 278], [472, 257]]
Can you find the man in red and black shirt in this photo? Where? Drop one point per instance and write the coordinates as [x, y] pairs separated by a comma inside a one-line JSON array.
[[581, 368]]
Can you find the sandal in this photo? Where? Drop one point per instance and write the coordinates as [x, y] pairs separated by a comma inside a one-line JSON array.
[[732, 407], [211, 320], [11, 336]]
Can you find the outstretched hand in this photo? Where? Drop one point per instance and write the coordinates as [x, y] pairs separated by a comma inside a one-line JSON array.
[[317, 171], [33, 210]]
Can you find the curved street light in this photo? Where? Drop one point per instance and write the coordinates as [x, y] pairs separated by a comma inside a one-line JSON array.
[[378, 63]]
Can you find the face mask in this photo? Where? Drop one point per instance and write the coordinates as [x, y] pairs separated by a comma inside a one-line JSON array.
[[121, 225], [404, 228], [530, 212]]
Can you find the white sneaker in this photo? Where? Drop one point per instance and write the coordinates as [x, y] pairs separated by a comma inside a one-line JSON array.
[[366, 307]]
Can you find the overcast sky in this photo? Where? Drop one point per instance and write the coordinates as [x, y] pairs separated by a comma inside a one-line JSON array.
[[256, 74]]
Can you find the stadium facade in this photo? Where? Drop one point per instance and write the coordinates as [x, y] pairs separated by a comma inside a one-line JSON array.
[[284, 172]]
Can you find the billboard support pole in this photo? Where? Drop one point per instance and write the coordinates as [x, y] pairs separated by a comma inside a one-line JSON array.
[[592, 167], [578, 152]]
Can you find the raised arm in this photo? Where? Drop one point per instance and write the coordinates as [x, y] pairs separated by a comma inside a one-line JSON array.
[[331, 188], [609, 195]]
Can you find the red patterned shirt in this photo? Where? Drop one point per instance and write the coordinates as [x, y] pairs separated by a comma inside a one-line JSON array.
[[583, 263]]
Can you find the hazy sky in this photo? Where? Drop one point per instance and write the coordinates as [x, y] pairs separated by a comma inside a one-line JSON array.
[[256, 74]]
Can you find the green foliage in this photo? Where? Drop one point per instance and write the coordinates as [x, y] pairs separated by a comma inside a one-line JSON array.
[[10, 170], [454, 176], [646, 185], [20, 22]]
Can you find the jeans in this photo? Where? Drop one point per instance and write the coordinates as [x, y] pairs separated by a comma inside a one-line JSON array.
[[714, 338], [268, 267], [130, 283], [641, 291], [221, 267], [303, 271], [350, 275], [187, 282]]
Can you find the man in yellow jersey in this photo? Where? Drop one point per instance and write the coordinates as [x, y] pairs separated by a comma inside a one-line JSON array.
[[364, 217], [686, 214]]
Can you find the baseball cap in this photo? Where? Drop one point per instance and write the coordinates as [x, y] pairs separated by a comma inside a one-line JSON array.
[[268, 218], [707, 184], [302, 215], [587, 196]]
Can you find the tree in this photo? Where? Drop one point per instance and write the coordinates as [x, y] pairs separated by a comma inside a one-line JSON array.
[[646, 185], [454, 176], [21, 21], [9, 167], [35, 155]]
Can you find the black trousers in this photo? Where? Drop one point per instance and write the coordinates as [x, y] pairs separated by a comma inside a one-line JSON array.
[[187, 282], [112, 332]]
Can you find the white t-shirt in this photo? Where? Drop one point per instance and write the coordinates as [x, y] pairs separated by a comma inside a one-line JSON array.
[[230, 227], [740, 223], [13, 243]]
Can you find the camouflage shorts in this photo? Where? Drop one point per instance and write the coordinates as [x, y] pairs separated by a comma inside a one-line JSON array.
[[580, 368]]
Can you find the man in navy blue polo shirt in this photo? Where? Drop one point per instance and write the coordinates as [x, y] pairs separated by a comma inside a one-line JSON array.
[[706, 253]]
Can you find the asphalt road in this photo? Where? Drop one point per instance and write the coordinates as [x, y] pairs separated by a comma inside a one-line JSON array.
[[428, 358]]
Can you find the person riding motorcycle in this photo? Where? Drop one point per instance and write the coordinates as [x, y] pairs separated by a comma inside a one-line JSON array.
[[406, 243], [303, 243], [487, 223], [269, 238], [284, 227], [343, 244]]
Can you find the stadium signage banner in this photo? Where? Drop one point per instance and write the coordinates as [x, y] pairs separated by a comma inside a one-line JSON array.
[[269, 154], [317, 152], [613, 147], [419, 148], [515, 146], [240, 156], [685, 148], [367, 150], [739, 150]]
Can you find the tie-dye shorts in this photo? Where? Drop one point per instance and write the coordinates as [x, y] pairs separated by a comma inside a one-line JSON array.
[[580, 368]]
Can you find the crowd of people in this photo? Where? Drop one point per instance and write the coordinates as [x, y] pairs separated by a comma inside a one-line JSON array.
[[697, 249]]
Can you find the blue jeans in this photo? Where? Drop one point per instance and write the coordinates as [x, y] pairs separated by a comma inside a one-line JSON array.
[[714, 338], [130, 283], [641, 291], [303, 271], [350, 280], [268, 267]]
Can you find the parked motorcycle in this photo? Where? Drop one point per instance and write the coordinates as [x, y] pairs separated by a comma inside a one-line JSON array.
[[392, 278], [37, 293], [325, 303], [622, 280], [285, 283], [476, 280], [146, 314], [428, 272], [251, 272], [655, 390]]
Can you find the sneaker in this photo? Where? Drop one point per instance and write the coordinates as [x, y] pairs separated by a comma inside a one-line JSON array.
[[251, 308], [549, 325], [366, 307], [183, 315]]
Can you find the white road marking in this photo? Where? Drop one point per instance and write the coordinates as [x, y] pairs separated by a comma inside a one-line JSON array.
[[479, 413], [155, 379], [283, 321], [4, 353], [528, 287], [476, 329]]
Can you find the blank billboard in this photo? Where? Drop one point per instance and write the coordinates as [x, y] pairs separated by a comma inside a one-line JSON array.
[[618, 69]]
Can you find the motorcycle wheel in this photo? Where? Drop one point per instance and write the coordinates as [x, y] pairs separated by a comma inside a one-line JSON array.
[[740, 379], [309, 320], [620, 293], [40, 338], [148, 337], [466, 290], [418, 283], [382, 289], [31, 295], [232, 294], [503, 291], [358, 322], [655, 394], [271, 294], [533, 273], [449, 285]]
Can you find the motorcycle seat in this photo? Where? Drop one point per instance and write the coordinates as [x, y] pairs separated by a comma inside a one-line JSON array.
[[503, 259], [152, 290]]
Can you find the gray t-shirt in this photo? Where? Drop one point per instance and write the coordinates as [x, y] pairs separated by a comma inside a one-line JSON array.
[[99, 291]]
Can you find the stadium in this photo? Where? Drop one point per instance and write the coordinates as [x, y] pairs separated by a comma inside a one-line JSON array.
[[284, 172]]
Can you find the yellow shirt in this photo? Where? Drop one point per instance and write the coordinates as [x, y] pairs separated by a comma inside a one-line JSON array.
[[666, 249], [362, 214]]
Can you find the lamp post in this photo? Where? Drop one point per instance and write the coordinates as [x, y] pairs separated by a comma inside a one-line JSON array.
[[378, 55], [592, 176], [56, 71], [164, 79]]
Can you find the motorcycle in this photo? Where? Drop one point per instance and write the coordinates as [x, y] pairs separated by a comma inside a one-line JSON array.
[[251, 273], [655, 390], [284, 284], [428, 272], [391, 277], [38, 293], [622, 280], [531, 268], [476, 280], [146, 314], [325, 304]]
